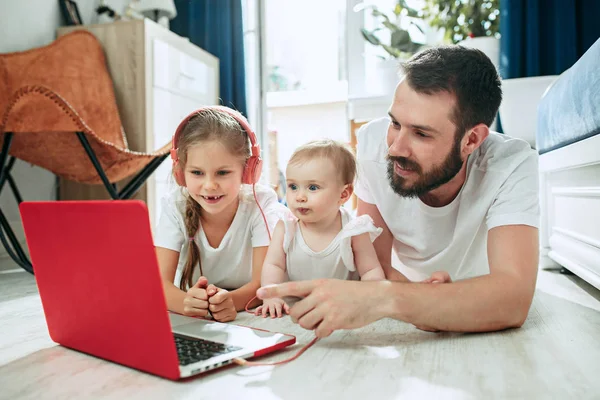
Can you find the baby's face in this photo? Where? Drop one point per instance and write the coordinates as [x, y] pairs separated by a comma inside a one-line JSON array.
[[314, 189]]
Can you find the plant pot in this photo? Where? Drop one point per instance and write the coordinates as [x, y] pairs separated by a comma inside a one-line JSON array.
[[386, 77], [518, 110]]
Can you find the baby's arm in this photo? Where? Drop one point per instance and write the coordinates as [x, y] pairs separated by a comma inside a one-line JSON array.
[[365, 259], [383, 243], [370, 269], [273, 272]]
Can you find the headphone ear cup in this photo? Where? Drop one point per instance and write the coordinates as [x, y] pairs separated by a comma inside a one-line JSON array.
[[252, 171], [178, 174]]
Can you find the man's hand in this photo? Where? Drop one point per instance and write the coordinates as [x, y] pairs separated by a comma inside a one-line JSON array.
[[221, 304], [330, 304], [195, 303]]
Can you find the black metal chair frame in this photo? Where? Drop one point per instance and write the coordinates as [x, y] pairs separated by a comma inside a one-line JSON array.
[[7, 235]]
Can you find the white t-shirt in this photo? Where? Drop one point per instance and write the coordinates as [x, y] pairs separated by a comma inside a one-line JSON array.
[[230, 265], [336, 261], [501, 188]]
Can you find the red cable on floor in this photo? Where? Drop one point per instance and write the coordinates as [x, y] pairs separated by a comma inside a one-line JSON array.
[[241, 361]]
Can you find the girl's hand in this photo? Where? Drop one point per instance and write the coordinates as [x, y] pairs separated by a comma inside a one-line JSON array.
[[195, 303], [274, 307], [220, 304]]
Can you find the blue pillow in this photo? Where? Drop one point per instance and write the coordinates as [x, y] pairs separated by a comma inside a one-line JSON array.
[[570, 110]]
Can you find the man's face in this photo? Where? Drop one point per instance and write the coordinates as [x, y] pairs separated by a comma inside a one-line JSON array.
[[423, 152]]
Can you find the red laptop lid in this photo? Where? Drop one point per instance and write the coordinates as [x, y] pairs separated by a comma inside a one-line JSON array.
[[98, 278]]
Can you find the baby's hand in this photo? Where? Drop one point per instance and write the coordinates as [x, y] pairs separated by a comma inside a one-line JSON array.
[[195, 303], [273, 307]]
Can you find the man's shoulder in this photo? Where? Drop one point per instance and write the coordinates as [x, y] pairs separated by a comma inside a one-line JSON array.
[[503, 153], [371, 142]]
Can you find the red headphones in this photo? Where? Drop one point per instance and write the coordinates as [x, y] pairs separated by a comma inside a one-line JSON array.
[[253, 167]]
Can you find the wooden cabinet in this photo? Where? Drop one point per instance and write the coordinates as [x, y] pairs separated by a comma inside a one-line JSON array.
[[159, 77]]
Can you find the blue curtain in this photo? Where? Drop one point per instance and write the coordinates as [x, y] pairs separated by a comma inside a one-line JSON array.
[[545, 37], [216, 26]]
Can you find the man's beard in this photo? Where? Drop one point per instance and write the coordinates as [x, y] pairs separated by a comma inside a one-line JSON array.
[[427, 182]]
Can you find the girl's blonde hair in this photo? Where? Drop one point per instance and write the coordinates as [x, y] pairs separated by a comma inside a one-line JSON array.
[[339, 153], [207, 125]]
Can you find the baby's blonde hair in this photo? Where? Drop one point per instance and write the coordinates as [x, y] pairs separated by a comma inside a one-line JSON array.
[[339, 153]]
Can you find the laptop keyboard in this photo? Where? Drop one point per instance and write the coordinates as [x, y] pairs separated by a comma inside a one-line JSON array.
[[191, 350]]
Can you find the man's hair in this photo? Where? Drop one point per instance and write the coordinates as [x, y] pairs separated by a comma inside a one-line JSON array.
[[466, 73]]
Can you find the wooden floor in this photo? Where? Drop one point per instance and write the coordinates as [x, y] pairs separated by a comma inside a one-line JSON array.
[[555, 355]]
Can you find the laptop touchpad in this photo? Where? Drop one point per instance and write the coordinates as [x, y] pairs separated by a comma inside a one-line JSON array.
[[223, 333]]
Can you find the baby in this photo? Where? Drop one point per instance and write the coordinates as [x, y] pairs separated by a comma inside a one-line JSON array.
[[321, 239]]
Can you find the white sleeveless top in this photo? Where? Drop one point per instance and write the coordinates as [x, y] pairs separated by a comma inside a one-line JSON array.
[[336, 261]]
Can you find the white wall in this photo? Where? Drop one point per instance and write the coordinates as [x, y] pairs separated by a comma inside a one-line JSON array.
[[305, 38], [299, 124], [27, 24], [252, 36]]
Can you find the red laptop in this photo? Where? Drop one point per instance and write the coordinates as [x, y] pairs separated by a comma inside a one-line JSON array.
[[101, 291]]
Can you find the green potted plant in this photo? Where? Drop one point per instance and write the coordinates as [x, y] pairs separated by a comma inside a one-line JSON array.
[[400, 43], [471, 23], [465, 18]]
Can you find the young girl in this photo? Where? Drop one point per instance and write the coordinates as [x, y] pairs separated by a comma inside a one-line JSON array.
[[321, 239], [214, 228]]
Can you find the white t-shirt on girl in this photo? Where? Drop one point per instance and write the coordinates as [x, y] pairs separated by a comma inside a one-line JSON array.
[[230, 265], [336, 261]]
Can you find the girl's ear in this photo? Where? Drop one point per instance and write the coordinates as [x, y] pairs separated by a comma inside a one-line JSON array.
[[346, 193]]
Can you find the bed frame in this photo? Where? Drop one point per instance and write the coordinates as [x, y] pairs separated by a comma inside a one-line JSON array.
[[570, 208]]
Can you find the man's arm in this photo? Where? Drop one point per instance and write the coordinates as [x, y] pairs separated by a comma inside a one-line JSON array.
[[383, 243], [487, 303]]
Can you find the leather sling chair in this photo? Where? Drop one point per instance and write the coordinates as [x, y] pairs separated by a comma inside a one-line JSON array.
[[58, 111]]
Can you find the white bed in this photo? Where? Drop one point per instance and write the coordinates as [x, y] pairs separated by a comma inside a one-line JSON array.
[[570, 207]]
